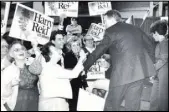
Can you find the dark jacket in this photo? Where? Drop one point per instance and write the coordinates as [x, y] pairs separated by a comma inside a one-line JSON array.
[[161, 55], [131, 54], [70, 62]]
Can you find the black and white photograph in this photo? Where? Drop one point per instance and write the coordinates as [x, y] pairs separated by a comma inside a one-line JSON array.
[[84, 55], [4, 16]]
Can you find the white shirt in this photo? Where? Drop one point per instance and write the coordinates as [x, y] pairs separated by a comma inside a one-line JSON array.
[[74, 29], [9, 92], [90, 49], [4, 63], [51, 85]]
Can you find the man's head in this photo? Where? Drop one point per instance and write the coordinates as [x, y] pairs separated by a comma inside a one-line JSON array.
[[111, 17], [57, 39], [73, 21], [158, 30], [88, 41]]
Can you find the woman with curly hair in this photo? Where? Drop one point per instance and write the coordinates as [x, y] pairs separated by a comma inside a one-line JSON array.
[[19, 90]]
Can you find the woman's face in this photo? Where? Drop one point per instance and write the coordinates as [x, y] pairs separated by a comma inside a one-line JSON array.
[[18, 52], [73, 22], [158, 37], [4, 48], [75, 46]]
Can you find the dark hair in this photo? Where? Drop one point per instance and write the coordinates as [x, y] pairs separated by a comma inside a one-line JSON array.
[[113, 13], [159, 26], [54, 33], [15, 42], [9, 39], [73, 18], [46, 51]]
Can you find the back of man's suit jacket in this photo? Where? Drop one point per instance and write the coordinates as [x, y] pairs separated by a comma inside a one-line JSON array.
[[130, 59]]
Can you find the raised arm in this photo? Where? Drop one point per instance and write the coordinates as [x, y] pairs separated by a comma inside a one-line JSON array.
[[99, 51], [62, 73], [65, 73]]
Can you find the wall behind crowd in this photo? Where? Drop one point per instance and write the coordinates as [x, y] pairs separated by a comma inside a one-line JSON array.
[[85, 20], [126, 8]]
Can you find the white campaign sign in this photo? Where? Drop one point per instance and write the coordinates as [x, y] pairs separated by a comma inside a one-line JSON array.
[[96, 31], [97, 71], [89, 101], [98, 8], [164, 18], [4, 16], [70, 9], [29, 25]]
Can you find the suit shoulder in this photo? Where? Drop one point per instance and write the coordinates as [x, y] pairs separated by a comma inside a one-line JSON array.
[[118, 27]]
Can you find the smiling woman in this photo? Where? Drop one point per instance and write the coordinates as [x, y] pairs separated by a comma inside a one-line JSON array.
[[19, 82]]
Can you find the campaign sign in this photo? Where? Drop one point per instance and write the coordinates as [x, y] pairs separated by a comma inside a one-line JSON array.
[[29, 25], [97, 71], [98, 8], [96, 31], [5, 6], [89, 101], [164, 18], [70, 9]]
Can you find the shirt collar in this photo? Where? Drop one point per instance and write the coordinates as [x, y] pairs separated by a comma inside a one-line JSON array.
[[90, 49]]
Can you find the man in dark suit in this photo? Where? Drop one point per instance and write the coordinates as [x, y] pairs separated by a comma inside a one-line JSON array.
[[131, 62]]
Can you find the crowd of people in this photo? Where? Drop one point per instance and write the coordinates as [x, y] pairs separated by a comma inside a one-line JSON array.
[[48, 77]]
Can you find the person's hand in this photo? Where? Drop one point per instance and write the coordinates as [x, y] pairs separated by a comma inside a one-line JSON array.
[[33, 39], [83, 56], [34, 42], [151, 79], [104, 64], [89, 89], [83, 73], [106, 56]]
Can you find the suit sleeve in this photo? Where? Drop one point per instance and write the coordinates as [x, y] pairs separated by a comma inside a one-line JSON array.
[[149, 45], [99, 51]]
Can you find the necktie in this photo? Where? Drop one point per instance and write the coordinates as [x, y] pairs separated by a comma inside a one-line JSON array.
[[61, 62]]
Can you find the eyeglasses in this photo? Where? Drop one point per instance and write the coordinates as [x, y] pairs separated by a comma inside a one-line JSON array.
[[17, 50], [89, 39]]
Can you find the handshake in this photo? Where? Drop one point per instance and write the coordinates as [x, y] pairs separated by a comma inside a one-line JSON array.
[[83, 56]]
